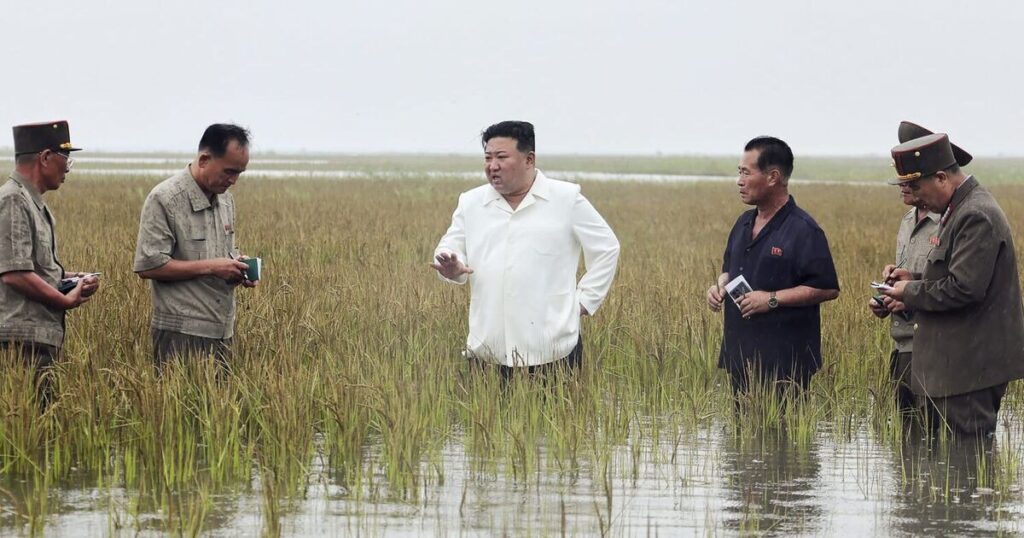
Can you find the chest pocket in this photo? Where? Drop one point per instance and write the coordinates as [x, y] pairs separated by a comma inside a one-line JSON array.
[[196, 244], [937, 262], [775, 272], [44, 242]]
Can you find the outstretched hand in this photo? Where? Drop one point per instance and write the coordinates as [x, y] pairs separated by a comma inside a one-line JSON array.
[[450, 267]]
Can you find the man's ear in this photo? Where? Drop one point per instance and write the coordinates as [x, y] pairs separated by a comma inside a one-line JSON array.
[[203, 159], [531, 158], [774, 176]]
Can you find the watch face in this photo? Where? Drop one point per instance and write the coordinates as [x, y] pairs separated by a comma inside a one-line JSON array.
[[773, 302]]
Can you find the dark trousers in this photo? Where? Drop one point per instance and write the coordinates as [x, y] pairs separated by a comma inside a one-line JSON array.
[[740, 380], [568, 364], [965, 416], [38, 357], [899, 368], [571, 363], [171, 345]]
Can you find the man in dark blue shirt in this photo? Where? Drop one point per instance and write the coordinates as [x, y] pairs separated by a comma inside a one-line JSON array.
[[774, 330]]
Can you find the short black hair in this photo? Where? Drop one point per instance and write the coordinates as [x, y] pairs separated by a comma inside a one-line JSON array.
[[521, 131], [217, 137], [772, 153]]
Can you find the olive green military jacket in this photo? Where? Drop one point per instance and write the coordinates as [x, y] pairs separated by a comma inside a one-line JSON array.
[[27, 243], [968, 311]]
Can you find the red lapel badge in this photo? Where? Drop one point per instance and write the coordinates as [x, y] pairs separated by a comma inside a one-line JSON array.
[[776, 251], [934, 240]]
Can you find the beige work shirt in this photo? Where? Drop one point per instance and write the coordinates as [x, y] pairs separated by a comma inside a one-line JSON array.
[[27, 243], [913, 243], [180, 222]]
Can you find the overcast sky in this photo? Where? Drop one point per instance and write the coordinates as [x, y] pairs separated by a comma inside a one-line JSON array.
[[593, 76]]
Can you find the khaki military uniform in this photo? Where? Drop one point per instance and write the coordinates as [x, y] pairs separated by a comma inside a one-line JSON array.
[[913, 243], [179, 222], [28, 243]]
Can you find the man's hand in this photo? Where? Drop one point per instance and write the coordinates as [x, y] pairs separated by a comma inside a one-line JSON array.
[[896, 274], [755, 302], [715, 296], [894, 306], [450, 267], [231, 271], [246, 283], [879, 309], [77, 297], [90, 285], [896, 292], [898, 277], [887, 272]]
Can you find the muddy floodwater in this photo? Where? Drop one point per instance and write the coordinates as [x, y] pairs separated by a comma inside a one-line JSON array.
[[350, 411], [709, 483]]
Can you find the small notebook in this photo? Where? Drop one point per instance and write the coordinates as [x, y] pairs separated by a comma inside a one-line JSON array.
[[737, 288], [252, 274]]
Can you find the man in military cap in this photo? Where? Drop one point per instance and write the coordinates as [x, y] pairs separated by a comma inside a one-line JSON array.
[[186, 247], [969, 328], [31, 307], [918, 229]]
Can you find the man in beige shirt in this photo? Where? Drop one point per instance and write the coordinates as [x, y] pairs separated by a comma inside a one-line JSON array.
[[186, 246], [31, 306], [918, 229]]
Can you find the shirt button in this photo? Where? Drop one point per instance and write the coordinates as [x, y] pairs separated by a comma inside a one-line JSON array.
[[911, 241], [895, 324], [741, 268], [915, 326]]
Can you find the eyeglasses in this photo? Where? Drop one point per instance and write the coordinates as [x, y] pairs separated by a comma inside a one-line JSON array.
[[67, 157], [915, 185]]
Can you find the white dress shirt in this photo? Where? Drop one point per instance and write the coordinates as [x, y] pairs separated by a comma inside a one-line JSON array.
[[524, 307]]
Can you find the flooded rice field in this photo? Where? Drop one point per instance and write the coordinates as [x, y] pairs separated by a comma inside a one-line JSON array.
[[349, 410]]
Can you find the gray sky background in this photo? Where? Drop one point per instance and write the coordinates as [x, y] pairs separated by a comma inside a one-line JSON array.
[[594, 77]]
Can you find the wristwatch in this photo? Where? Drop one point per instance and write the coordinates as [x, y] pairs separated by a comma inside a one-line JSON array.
[[773, 301]]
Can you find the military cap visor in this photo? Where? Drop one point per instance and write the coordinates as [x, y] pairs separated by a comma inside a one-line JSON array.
[[36, 137], [909, 131], [921, 157]]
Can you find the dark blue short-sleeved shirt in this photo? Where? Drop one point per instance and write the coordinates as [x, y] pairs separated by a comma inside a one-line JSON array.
[[790, 251]]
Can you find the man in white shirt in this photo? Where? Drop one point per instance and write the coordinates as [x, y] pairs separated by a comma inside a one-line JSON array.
[[517, 240]]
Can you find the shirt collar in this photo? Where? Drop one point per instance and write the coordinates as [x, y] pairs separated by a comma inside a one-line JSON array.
[[961, 191], [932, 216], [27, 185], [195, 194], [541, 188], [779, 215], [911, 216]]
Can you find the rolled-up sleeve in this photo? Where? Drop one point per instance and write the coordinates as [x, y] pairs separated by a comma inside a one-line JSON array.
[[15, 235], [454, 241], [156, 237], [600, 253]]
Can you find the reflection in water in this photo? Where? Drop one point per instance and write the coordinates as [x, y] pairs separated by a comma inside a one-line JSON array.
[[948, 488], [700, 482], [771, 487]]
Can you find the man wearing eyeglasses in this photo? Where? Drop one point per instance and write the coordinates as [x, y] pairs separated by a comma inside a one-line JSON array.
[[31, 307], [969, 328], [918, 229]]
